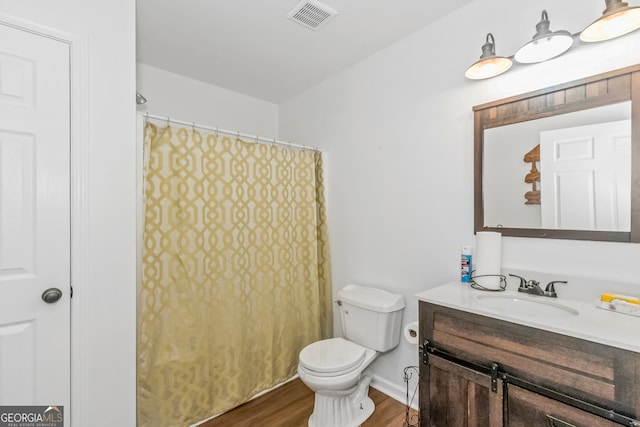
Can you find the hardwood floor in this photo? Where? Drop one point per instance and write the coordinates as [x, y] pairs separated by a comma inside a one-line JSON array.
[[291, 404]]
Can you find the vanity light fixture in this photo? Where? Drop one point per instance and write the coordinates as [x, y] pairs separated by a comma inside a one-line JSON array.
[[617, 20], [545, 43], [489, 64]]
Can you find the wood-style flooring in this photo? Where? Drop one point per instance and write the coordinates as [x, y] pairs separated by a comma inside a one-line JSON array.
[[291, 404]]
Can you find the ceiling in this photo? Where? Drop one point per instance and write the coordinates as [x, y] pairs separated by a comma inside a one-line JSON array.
[[251, 47]]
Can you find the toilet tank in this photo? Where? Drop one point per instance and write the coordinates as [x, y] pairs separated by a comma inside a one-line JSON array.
[[371, 317]]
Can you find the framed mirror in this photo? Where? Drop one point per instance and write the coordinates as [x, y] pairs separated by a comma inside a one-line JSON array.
[[561, 162]]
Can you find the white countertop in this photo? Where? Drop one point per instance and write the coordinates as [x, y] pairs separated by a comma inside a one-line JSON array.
[[591, 323]]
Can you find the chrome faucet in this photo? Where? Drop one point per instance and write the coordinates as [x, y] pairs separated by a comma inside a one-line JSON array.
[[550, 290], [532, 287]]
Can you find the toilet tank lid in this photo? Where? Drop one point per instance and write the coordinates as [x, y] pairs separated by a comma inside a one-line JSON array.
[[371, 298]]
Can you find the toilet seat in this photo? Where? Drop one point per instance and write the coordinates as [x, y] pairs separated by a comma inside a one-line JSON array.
[[332, 357]]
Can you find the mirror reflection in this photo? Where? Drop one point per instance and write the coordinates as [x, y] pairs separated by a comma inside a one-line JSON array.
[[570, 171]]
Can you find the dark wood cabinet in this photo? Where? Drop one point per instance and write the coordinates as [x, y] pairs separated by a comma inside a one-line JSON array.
[[455, 385], [460, 397], [526, 409]]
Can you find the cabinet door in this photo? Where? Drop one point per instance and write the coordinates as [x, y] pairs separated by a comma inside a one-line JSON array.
[[460, 397], [525, 409]]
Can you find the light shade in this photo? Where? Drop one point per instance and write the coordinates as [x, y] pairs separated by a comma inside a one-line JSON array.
[[617, 19], [489, 64], [545, 44]]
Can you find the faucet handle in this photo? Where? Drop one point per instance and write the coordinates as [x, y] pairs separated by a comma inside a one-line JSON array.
[[550, 290], [523, 281]]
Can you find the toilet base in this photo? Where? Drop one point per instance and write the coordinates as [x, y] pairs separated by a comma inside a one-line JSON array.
[[346, 410], [361, 414]]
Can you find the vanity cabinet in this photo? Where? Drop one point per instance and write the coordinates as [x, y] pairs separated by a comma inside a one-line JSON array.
[[526, 409], [538, 377], [460, 396]]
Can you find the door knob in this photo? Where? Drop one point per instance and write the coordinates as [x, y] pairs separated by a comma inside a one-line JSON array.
[[51, 295]]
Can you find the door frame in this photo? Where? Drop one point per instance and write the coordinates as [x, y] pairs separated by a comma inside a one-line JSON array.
[[79, 208]]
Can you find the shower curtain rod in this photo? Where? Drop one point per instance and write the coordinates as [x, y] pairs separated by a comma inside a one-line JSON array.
[[238, 134]]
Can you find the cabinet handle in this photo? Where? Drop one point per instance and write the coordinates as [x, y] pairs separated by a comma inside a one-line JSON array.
[[555, 422]]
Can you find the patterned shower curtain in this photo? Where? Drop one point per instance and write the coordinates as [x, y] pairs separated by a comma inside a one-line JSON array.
[[235, 271]]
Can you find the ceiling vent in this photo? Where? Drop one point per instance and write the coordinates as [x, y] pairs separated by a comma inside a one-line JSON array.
[[312, 14]]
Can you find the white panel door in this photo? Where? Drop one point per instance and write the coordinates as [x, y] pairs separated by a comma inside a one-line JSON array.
[[585, 174], [34, 219]]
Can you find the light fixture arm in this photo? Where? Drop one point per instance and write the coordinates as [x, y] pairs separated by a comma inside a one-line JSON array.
[[489, 48], [542, 27], [612, 6]]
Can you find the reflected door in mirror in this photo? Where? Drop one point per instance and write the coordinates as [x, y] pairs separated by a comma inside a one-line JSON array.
[[587, 175]]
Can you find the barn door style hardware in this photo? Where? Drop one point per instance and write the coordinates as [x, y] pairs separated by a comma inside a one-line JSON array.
[[497, 372]]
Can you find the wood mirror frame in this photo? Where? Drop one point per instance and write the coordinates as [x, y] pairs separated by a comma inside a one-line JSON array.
[[595, 91]]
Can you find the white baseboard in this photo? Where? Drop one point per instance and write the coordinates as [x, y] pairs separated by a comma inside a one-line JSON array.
[[394, 391]]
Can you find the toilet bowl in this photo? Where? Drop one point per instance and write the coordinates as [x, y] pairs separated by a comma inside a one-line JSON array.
[[334, 364], [333, 368]]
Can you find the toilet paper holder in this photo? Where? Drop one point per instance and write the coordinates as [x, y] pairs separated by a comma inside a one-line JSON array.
[[411, 333]]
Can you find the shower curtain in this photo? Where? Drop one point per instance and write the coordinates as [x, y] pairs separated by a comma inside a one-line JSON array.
[[235, 275]]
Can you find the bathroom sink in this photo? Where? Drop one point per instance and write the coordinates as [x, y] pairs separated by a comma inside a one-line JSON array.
[[525, 306]]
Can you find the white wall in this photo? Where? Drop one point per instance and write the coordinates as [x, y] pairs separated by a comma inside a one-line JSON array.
[[172, 95], [398, 129], [103, 202]]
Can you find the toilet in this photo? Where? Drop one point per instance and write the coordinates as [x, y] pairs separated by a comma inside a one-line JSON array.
[[332, 368]]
